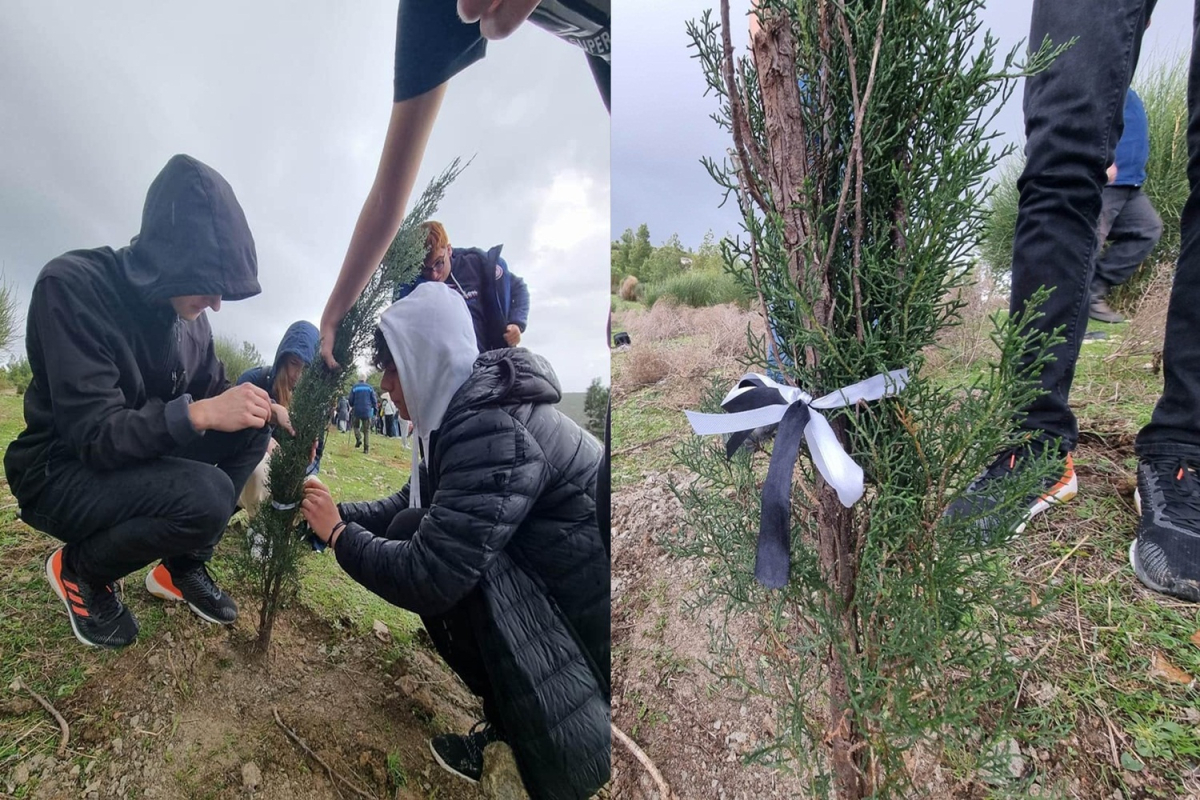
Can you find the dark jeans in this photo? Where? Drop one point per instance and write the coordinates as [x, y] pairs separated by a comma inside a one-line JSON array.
[[451, 632], [1131, 227], [362, 432], [1073, 120], [174, 508]]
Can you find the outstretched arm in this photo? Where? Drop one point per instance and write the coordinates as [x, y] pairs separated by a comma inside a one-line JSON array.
[[404, 146]]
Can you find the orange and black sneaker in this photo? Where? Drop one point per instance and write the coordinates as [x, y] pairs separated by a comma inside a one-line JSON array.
[[98, 617], [990, 506], [193, 586]]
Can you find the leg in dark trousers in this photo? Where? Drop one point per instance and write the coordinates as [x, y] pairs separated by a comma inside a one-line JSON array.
[[1073, 121], [1131, 227], [451, 632], [173, 508], [362, 433]]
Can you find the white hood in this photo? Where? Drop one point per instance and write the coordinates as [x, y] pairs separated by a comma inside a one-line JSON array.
[[432, 340]]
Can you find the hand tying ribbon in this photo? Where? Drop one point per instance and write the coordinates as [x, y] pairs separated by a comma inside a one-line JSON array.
[[757, 401]]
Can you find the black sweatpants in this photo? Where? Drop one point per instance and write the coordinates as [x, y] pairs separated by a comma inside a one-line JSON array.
[[174, 508]]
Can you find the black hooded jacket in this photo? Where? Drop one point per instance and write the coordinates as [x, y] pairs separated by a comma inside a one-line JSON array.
[[511, 540], [114, 367]]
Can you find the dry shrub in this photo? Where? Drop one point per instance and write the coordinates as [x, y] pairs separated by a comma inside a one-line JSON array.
[[679, 342], [960, 347], [643, 365], [1148, 322], [628, 289]]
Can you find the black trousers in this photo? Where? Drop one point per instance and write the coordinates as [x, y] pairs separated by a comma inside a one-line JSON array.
[[1073, 120], [173, 508], [451, 632]]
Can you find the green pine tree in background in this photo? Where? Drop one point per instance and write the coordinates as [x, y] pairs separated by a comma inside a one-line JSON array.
[[595, 407], [861, 145], [275, 573]]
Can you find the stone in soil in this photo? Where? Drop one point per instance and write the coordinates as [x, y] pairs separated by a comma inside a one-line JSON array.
[[501, 780], [251, 776]]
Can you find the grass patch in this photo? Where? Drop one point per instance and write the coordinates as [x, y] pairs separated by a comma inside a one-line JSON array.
[[697, 289]]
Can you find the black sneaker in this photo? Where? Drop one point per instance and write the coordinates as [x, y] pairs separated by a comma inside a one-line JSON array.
[[462, 755], [1166, 553], [98, 617], [196, 588], [986, 492]]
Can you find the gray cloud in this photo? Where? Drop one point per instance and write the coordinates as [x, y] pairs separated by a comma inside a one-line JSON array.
[[290, 102]]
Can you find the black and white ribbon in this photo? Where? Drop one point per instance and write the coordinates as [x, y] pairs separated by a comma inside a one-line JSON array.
[[758, 401]]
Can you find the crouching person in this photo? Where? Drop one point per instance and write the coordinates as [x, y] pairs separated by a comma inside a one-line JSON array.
[[495, 544], [134, 448]]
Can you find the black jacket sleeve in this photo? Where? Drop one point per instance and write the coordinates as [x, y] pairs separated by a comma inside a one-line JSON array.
[[92, 415], [209, 379], [491, 472]]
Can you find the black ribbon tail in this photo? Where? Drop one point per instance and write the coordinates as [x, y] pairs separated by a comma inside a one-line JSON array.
[[758, 397], [773, 561]]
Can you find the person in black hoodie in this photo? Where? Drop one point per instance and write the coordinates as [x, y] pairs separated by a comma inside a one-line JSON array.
[[494, 543], [135, 448]]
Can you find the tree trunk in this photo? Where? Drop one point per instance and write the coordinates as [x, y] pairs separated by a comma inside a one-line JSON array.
[[836, 547]]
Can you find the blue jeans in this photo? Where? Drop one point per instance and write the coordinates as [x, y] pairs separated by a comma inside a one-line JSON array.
[[1073, 120]]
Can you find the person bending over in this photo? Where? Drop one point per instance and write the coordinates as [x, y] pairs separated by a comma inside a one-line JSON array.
[[494, 542], [498, 299]]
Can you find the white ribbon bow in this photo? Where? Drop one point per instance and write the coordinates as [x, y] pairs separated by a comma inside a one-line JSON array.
[[830, 458]]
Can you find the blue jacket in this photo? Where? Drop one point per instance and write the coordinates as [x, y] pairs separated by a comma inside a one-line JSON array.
[[300, 339], [362, 400], [1133, 151], [507, 305]]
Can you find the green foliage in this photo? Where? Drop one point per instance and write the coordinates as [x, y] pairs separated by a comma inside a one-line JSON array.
[[236, 359], [595, 406], [698, 289], [1164, 93], [277, 520], [397, 776], [10, 314], [892, 632], [18, 374]]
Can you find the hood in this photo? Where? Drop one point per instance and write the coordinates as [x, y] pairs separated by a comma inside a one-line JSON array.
[[510, 376], [300, 339], [194, 238], [432, 340]]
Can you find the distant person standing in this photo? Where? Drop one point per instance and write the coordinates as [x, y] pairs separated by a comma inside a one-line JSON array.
[[389, 416], [1128, 221], [362, 406], [343, 414]]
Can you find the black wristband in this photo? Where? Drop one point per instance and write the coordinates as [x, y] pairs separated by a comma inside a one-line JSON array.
[[341, 523]]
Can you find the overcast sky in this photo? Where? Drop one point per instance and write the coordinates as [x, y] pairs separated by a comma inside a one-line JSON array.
[[661, 124], [290, 101]]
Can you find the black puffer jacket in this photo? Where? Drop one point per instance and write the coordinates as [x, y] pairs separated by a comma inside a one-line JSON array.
[[512, 513], [111, 360]]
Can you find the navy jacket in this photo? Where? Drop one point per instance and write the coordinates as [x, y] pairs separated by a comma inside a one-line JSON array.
[[300, 339], [114, 368], [363, 400], [507, 304], [1133, 151]]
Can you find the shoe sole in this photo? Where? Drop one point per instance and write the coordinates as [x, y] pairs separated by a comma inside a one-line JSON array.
[[164, 593], [1061, 492], [447, 767], [62, 595]]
